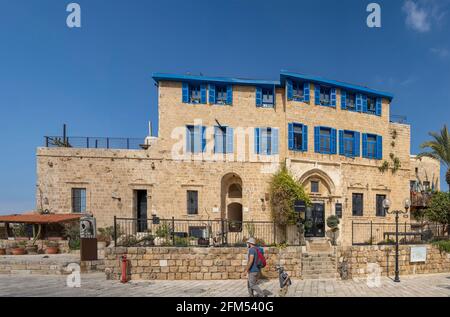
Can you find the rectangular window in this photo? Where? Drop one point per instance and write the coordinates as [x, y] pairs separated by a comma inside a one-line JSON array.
[[267, 97], [338, 210], [380, 209], [298, 137], [195, 93], [192, 202], [351, 101], [325, 96], [325, 140], [349, 143], [266, 139], [371, 105], [221, 95], [297, 90], [79, 200], [195, 139], [357, 204], [314, 186], [190, 139], [220, 140], [371, 146]]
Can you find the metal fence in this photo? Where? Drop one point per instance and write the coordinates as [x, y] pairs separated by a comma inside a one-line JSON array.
[[184, 233], [94, 142], [371, 233]]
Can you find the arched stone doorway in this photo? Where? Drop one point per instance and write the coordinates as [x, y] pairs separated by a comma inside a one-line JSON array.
[[231, 197]]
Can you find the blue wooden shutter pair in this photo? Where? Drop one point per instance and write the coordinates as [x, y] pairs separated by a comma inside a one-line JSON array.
[[197, 139], [364, 103], [306, 92], [203, 93], [230, 140], [274, 147], [203, 138], [257, 139], [258, 96], [218, 140], [229, 94], [188, 140], [358, 102], [333, 141], [305, 138], [291, 136], [343, 99], [378, 107], [379, 147], [317, 139], [289, 88], [356, 144], [333, 97], [185, 93], [212, 94], [317, 94], [364, 145], [341, 142]]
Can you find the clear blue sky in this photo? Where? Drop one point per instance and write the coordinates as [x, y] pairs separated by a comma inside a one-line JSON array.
[[97, 79]]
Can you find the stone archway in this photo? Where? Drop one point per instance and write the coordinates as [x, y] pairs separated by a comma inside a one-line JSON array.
[[231, 197]]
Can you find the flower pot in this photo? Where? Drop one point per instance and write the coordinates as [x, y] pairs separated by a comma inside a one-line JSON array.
[[2, 251], [51, 250], [18, 251], [32, 249]]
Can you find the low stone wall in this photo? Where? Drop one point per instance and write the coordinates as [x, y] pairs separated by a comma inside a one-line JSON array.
[[190, 263], [358, 257], [63, 245]]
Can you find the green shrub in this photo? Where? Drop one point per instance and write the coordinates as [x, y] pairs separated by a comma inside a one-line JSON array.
[[163, 231], [333, 222], [443, 245]]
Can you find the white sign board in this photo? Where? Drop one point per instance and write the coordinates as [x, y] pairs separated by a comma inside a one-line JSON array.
[[418, 254]]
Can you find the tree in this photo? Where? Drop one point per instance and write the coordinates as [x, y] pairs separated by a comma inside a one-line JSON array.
[[439, 209], [439, 149], [284, 192]]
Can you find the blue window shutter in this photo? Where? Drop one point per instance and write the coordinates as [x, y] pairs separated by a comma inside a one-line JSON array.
[[274, 141], [185, 93], [229, 94], [341, 142], [333, 141], [317, 94], [378, 107], [212, 93], [230, 140], [343, 99], [317, 139], [291, 136], [379, 147], [258, 96], [218, 147], [306, 92], [364, 145], [274, 96], [257, 141], [356, 144], [197, 139], [333, 97], [203, 139], [358, 102], [305, 138], [364, 103], [290, 92], [188, 140], [203, 93]]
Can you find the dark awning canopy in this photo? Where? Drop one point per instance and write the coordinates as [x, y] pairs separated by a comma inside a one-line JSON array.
[[36, 218]]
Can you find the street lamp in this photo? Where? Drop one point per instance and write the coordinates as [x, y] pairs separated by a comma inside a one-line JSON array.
[[386, 206]]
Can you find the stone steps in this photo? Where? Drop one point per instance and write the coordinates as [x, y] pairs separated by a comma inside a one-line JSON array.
[[319, 261]]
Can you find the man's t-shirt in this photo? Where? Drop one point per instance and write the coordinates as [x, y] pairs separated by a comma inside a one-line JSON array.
[[254, 267]]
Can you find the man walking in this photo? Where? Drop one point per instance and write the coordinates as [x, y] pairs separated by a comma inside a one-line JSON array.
[[253, 270]]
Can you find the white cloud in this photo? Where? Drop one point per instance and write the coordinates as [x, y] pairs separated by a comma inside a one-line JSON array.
[[441, 52], [417, 18]]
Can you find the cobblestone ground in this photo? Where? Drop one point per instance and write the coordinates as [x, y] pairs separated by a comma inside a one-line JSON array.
[[96, 285]]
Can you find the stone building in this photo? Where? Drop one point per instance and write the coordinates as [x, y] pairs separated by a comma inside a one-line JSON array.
[[221, 139]]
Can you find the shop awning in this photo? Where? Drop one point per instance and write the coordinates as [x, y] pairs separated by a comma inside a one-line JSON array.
[[36, 218]]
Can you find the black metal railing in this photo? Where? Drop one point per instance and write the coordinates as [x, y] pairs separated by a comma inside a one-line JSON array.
[[375, 233], [395, 118], [184, 233], [94, 142]]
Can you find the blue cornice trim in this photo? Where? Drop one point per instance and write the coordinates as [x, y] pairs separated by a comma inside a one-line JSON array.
[[220, 80]]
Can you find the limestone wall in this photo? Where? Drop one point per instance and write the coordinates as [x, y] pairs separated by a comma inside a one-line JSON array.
[[197, 263]]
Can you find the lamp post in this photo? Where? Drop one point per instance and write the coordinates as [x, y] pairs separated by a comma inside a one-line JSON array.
[[386, 206]]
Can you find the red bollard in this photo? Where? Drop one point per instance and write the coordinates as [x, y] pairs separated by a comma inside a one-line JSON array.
[[124, 278]]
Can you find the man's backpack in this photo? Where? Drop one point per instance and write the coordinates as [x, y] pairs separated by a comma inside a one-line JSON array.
[[260, 259]]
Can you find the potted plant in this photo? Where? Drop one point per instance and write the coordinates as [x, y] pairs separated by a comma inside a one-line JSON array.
[[52, 247], [162, 233], [18, 248], [333, 224]]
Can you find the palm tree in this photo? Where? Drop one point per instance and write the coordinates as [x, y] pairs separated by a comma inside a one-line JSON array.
[[439, 149]]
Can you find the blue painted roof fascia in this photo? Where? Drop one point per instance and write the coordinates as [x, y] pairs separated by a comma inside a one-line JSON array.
[[224, 80], [284, 75]]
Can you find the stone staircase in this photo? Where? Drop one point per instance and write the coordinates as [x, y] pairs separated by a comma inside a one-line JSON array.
[[319, 261]]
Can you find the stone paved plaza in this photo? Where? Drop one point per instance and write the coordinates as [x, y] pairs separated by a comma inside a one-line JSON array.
[[95, 284]]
